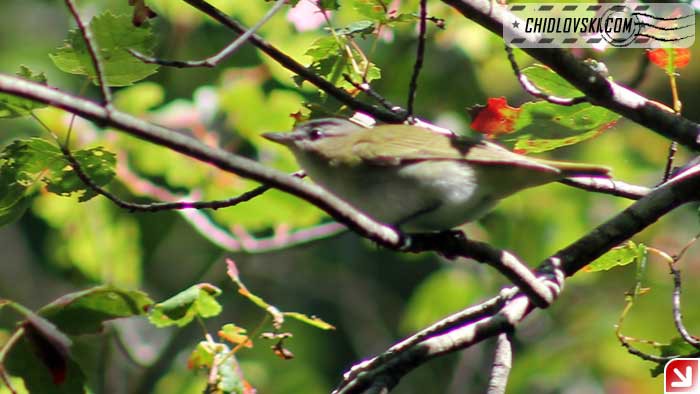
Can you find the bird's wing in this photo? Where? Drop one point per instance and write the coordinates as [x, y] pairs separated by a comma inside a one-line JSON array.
[[395, 145]]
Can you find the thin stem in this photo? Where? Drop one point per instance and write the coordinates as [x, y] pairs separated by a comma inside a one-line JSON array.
[[420, 53], [533, 90], [677, 314], [226, 52], [292, 65], [93, 50], [3, 353]]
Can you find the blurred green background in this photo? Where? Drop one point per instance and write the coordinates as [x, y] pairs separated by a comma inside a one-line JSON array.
[[374, 297]]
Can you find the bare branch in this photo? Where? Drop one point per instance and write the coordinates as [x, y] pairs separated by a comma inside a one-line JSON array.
[[502, 363], [677, 314], [213, 61], [292, 65], [389, 368], [454, 243], [534, 90], [608, 186], [163, 206], [336, 207], [420, 52], [367, 89], [92, 49]]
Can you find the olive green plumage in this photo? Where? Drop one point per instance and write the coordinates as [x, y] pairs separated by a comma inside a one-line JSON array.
[[416, 177]]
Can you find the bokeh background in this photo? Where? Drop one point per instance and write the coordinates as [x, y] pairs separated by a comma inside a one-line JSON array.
[[374, 297]]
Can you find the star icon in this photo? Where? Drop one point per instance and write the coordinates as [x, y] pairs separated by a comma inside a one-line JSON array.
[[516, 24]]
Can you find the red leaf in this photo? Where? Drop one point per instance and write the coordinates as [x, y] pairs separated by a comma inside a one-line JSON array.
[[494, 119], [660, 56]]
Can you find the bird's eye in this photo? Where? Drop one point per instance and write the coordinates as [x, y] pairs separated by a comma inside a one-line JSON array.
[[315, 134]]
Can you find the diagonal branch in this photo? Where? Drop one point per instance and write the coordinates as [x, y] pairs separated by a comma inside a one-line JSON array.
[[292, 65], [214, 60], [388, 368], [334, 206]]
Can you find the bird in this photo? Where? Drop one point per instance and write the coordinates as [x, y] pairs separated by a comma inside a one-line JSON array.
[[413, 177]]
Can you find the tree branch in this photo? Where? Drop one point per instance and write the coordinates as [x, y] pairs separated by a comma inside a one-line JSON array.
[[227, 51], [334, 206], [599, 90], [502, 363], [392, 365], [292, 65]]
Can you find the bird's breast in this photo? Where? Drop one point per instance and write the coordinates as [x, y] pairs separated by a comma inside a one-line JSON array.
[[421, 196]]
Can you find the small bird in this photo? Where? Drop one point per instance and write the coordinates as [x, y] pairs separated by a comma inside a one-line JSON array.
[[416, 178]]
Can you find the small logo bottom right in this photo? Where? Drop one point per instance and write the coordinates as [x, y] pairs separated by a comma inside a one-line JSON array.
[[681, 376]]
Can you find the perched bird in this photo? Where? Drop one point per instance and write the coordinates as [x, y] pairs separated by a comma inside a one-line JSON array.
[[414, 177]]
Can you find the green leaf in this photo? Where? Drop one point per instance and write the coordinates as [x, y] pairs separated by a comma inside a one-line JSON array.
[[13, 202], [375, 10], [180, 309], [616, 257], [114, 35], [402, 18], [550, 82], [12, 106], [310, 320], [362, 28], [331, 61], [543, 126], [203, 355], [26, 161], [228, 373], [678, 347], [234, 334], [323, 48], [84, 312]]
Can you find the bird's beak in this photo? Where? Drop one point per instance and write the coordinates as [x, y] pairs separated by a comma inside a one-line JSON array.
[[281, 138]]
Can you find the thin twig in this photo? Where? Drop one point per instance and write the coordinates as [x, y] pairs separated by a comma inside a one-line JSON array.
[[502, 363], [534, 90], [420, 52], [672, 149], [456, 244], [367, 89], [676, 298], [227, 51], [162, 206], [93, 50], [465, 317], [6, 347], [641, 73], [677, 314], [292, 65], [608, 186]]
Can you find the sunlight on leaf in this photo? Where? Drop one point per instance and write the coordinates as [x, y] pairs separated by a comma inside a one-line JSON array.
[[114, 35], [182, 308]]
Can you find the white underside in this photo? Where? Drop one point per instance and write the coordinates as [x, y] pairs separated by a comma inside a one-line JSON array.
[[410, 196]]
